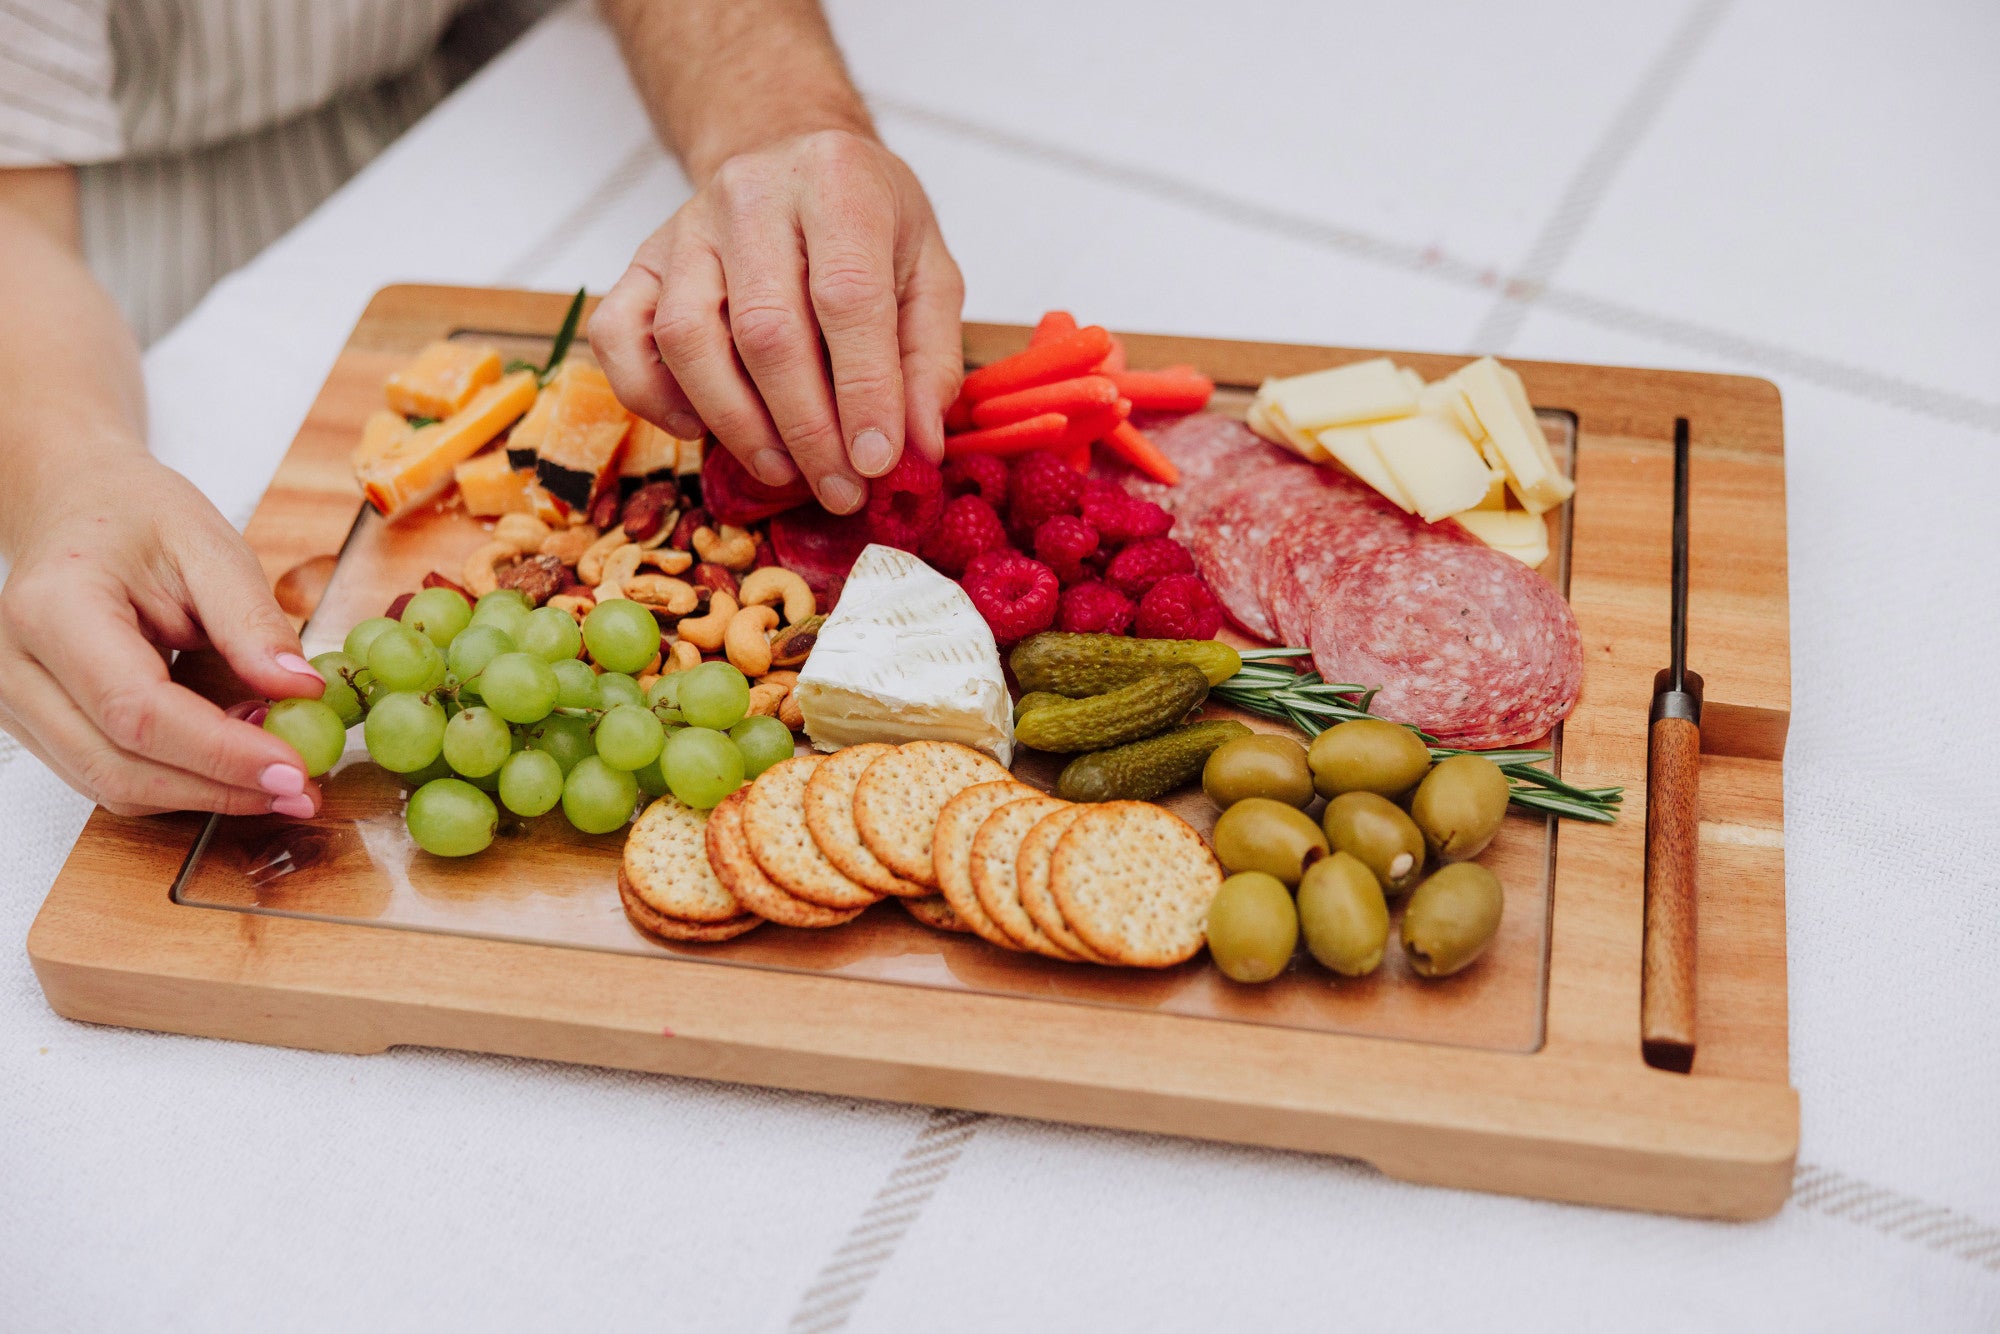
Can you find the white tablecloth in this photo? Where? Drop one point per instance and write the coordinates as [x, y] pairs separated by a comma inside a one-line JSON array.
[[1796, 190]]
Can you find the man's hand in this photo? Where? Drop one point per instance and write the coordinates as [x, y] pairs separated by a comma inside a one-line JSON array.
[[803, 307]]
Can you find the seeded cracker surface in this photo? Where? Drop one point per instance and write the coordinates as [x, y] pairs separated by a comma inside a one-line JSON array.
[[1031, 875], [896, 804], [935, 913], [829, 807], [1135, 882], [774, 823], [673, 928], [951, 846], [666, 863], [995, 849], [729, 854]]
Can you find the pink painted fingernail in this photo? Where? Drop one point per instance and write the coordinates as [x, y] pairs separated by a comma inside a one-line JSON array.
[[773, 468], [292, 662], [282, 780], [872, 455], [299, 806]]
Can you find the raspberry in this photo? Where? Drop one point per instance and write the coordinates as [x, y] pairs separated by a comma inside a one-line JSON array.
[[1062, 544], [904, 505], [1094, 609], [1042, 487], [968, 528], [1145, 562], [986, 562], [978, 474], [1120, 518], [1017, 596], [1178, 607]]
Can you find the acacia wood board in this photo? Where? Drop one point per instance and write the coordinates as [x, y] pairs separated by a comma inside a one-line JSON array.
[[1436, 1093]]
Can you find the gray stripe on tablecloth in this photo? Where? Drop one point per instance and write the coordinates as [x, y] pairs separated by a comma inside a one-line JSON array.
[[620, 181], [1595, 173], [1433, 262], [1834, 1194], [829, 1300]]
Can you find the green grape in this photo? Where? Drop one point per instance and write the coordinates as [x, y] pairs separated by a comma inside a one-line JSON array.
[[702, 766], [404, 731], [652, 779], [563, 737], [487, 783], [551, 634], [629, 737], [666, 690], [531, 783], [438, 614], [615, 688], [449, 817], [622, 636], [510, 615], [518, 687], [476, 646], [576, 685], [314, 730], [763, 741], [371, 689], [714, 695], [501, 598], [598, 798], [477, 742], [440, 675], [430, 773], [363, 634], [338, 670], [402, 659]]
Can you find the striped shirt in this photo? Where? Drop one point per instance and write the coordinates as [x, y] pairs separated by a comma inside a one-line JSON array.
[[204, 129]]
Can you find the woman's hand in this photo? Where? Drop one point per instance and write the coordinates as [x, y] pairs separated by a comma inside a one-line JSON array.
[[107, 578], [802, 306]]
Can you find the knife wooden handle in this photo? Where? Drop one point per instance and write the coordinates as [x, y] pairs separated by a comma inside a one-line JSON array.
[[1666, 1008]]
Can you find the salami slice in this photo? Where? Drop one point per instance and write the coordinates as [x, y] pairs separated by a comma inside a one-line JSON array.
[[1464, 641], [1228, 536], [732, 495], [1206, 447], [822, 547]]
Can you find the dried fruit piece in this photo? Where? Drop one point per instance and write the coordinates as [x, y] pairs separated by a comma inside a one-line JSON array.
[[647, 510], [538, 577]]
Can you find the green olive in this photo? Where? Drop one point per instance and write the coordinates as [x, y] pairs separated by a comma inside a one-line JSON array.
[[1252, 927], [1460, 805], [1450, 918], [1375, 830], [1258, 834], [1264, 765], [1343, 915], [1367, 755]]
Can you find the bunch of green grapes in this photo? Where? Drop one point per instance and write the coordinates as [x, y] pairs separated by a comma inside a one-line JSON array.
[[500, 699]]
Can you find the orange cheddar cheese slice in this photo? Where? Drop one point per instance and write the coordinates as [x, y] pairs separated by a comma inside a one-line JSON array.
[[417, 467], [490, 486], [524, 444], [442, 380], [383, 431], [587, 429]]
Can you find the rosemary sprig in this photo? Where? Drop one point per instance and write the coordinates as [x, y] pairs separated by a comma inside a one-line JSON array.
[[564, 337], [1268, 687]]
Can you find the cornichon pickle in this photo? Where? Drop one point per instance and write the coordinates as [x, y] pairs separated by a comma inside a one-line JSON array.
[[1071, 664], [1145, 769], [1151, 704], [1034, 699]]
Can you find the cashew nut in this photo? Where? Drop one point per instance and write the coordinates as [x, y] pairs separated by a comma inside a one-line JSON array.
[[765, 700], [590, 565], [682, 656], [774, 583], [706, 632], [481, 568], [667, 561], [786, 679], [576, 604], [732, 548], [619, 567], [673, 596], [790, 714], [523, 532], [570, 544], [746, 639]]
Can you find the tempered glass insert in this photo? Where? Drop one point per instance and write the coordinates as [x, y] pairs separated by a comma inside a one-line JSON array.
[[542, 882]]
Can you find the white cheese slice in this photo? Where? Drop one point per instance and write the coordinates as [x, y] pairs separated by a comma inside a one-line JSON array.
[[1351, 447], [1496, 492], [1516, 436], [905, 656], [1363, 392], [1521, 535], [1434, 464], [1445, 398], [1269, 421]]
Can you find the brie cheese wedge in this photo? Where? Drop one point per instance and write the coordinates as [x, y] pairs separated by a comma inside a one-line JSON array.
[[905, 656]]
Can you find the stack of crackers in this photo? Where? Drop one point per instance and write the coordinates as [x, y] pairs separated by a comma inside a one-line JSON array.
[[944, 830]]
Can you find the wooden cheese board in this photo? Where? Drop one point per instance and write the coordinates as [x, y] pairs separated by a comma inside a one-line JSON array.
[[1523, 1074]]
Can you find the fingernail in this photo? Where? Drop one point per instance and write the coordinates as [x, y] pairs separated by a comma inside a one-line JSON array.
[[292, 662], [871, 453], [684, 426], [840, 495], [773, 467], [299, 806], [282, 780]]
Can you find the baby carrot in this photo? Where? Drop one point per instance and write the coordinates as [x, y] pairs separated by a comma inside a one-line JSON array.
[[1072, 398], [1053, 323], [1130, 444], [1114, 361], [1043, 432], [1097, 423], [1062, 357], [1165, 391]]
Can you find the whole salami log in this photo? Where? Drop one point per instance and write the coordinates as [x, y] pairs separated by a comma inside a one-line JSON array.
[[1464, 641]]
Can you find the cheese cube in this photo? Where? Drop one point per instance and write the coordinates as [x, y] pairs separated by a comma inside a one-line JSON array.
[[1516, 436], [690, 460], [1521, 535], [524, 444], [579, 455], [382, 432], [490, 486], [1354, 450], [1433, 463], [442, 379], [1363, 392]]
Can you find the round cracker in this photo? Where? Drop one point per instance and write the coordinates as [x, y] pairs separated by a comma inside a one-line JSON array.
[[729, 853], [897, 801], [829, 806], [666, 863], [774, 825], [994, 851], [935, 913], [1031, 875], [951, 844], [653, 922], [1135, 881]]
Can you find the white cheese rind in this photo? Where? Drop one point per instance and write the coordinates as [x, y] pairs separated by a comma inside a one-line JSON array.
[[905, 656]]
